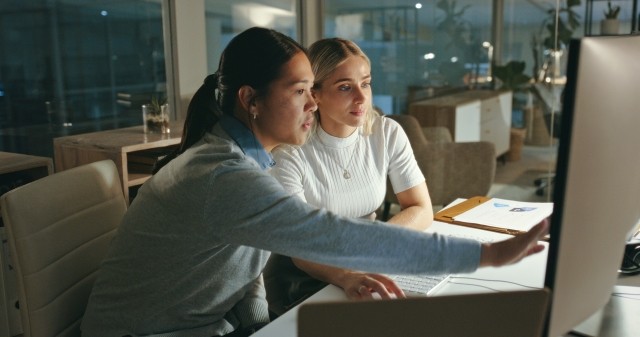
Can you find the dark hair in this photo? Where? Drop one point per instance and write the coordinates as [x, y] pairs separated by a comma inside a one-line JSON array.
[[254, 58]]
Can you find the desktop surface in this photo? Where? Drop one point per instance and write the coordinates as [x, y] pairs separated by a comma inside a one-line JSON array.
[[620, 315], [526, 275]]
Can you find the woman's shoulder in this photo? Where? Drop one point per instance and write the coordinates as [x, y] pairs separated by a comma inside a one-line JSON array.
[[288, 152], [284, 148], [385, 125]]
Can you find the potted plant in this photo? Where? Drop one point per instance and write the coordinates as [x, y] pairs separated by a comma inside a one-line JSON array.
[[555, 33], [155, 116], [610, 24], [511, 76], [462, 43]]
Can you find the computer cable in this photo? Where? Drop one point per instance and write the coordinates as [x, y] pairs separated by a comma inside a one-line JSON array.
[[628, 296], [625, 295], [452, 281]]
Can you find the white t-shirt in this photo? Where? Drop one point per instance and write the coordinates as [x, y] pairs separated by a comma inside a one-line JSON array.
[[316, 170]]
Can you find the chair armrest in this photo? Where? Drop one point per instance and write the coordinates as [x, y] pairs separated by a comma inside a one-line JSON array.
[[437, 134]]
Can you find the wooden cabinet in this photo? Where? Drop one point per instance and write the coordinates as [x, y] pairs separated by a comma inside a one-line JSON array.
[[15, 170], [18, 169], [474, 115], [119, 145]]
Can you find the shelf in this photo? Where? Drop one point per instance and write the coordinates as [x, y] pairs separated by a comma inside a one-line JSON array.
[[136, 179], [118, 145]]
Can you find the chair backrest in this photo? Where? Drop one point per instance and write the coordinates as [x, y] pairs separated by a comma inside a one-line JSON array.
[[412, 128], [59, 229], [516, 313], [453, 170]]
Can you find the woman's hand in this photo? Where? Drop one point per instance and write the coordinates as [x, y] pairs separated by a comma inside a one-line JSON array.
[[514, 249], [357, 285]]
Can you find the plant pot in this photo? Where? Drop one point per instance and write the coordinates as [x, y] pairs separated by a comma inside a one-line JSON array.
[[609, 27]]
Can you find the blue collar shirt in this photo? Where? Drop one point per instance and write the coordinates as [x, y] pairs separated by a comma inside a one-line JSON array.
[[247, 142]]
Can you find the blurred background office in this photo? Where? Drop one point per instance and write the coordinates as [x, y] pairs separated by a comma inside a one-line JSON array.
[[74, 66]]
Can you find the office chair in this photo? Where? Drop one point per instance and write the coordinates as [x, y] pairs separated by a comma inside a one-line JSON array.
[[59, 229], [452, 170]]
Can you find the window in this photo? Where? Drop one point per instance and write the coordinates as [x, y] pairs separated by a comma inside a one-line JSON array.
[[412, 46], [73, 66], [225, 19], [69, 67]]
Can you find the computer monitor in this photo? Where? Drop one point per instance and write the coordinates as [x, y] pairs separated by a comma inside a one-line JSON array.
[[597, 184]]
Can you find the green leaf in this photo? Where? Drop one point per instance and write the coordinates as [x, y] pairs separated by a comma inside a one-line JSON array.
[[512, 75]]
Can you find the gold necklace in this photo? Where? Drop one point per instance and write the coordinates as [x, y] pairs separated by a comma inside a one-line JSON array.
[[345, 172]]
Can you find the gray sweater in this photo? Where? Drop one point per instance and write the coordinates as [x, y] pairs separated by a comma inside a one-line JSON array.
[[188, 256]]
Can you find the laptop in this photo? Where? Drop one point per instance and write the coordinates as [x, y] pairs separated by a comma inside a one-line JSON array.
[[513, 313]]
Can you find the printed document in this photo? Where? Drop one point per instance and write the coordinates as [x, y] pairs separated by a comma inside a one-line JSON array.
[[509, 214]]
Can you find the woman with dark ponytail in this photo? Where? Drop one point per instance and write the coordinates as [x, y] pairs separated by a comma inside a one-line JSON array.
[[188, 257]]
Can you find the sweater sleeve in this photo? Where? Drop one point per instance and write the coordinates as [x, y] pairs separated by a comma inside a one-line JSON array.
[[265, 216]]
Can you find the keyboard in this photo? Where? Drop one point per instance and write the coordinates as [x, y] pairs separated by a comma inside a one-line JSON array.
[[424, 285]]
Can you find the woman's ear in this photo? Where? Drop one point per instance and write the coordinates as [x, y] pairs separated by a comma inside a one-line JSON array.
[[247, 98], [314, 94]]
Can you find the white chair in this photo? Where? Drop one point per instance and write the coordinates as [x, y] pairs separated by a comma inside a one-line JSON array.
[[59, 229]]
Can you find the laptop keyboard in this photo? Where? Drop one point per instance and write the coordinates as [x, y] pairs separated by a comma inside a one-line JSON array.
[[420, 284], [427, 284]]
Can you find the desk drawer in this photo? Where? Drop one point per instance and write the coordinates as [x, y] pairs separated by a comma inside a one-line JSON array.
[[490, 109], [496, 132]]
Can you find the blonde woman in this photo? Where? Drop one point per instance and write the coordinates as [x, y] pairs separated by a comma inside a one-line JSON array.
[[343, 167]]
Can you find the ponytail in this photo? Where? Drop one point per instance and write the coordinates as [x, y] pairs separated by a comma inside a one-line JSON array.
[[202, 114]]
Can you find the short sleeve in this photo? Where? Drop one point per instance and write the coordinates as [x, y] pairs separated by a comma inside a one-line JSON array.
[[404, 172], [289, 169]]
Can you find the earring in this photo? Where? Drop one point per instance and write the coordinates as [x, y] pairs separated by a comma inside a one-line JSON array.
[[254, 115]]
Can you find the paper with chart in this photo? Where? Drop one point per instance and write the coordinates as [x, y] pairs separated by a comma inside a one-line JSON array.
[[509, 214]]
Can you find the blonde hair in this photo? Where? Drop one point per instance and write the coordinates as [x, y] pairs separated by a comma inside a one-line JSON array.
[[325, 56]]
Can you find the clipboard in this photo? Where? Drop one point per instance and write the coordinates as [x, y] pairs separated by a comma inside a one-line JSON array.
[[448, 215]]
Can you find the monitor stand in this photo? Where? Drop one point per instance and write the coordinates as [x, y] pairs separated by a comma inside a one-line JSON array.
[[590, 327], [619, 317]]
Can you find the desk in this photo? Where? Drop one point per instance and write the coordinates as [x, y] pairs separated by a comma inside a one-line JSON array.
[[117, 145], [527, 273]]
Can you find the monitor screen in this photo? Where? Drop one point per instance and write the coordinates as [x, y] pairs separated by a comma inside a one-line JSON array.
[[597, 184]]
